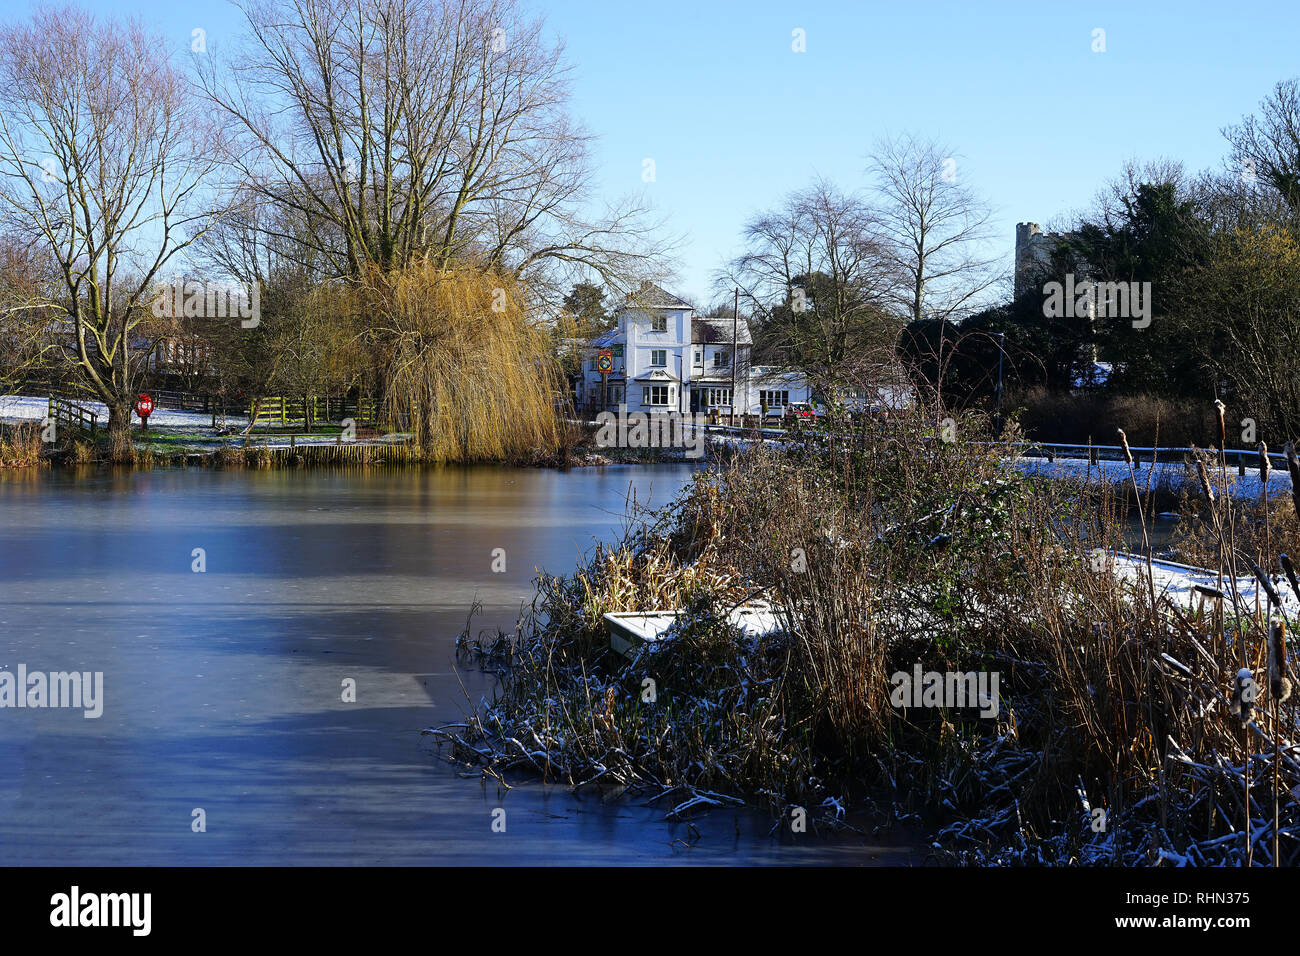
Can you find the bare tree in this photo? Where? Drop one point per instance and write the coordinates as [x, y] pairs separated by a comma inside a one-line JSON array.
[[27, 320], [935, 226], [396, 129], [1114, 201], [102, 157], [308, 340], [817, 277], [1266, 148]]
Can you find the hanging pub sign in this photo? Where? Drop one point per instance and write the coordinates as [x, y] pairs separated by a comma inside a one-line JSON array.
[[605, 362]]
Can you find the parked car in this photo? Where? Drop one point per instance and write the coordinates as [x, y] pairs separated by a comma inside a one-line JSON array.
[[806, 411]]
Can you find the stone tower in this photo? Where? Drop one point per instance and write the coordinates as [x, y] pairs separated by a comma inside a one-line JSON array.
[[1033, 251]]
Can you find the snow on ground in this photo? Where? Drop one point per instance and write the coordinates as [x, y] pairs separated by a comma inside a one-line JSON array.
[[1169, 475], [33, 408], [1178, 582], [198, 425]]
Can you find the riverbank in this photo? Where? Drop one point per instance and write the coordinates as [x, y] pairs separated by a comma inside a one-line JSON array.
[[902, 556], [196, 439]]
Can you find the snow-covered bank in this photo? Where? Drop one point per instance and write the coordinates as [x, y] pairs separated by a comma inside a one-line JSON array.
[[30, 408], [1178, 582], [198, 425], [1170, 476]]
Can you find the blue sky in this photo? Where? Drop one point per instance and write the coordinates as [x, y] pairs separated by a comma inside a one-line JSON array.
[[734, 119]]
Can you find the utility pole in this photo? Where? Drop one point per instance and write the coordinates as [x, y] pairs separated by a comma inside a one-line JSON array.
[[681, 382], [735, 324], [1002, 341]]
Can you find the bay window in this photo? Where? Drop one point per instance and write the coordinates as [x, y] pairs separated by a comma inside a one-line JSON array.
[[654, 395]]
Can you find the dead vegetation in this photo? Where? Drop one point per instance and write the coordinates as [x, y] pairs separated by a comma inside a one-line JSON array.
[[20, 446], [889, 548]]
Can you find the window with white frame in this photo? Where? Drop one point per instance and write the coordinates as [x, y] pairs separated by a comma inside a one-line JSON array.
[[721, 357], [774, 398], [659, 357], [699, 356], [716, 397], [658, 323], [654, 395]]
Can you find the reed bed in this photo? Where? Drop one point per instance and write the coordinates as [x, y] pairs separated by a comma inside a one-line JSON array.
[[20, 446], [335, 455], [887, 548]]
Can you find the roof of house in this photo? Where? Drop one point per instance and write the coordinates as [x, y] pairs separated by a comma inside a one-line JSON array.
[[708, 330], [605, 339], [776, 375], [657, 375], [651, 296]]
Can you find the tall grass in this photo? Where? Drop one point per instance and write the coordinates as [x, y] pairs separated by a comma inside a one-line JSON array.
[[887, 547], [463, 369], [20, 445]]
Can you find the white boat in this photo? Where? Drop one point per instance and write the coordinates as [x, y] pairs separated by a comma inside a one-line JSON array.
[[628, 631]]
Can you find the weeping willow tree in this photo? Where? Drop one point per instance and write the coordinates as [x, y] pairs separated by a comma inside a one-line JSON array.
[[463, 370]]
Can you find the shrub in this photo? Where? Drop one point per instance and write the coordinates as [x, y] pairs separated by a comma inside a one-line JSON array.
[[1081, 417]]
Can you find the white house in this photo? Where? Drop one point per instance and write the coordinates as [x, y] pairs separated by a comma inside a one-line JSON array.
[[668, 359], [649, 346]]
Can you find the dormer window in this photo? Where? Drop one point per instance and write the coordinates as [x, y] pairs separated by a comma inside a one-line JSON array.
[[659, 323]]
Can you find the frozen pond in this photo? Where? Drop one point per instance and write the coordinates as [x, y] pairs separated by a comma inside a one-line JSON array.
[[223, 690]]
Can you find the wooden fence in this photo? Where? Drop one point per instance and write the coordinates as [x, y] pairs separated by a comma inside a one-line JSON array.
[[277, 411], [193, 402], [72, 419]]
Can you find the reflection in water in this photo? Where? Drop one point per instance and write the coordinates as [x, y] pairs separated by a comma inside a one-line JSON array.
[[223, 689]]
